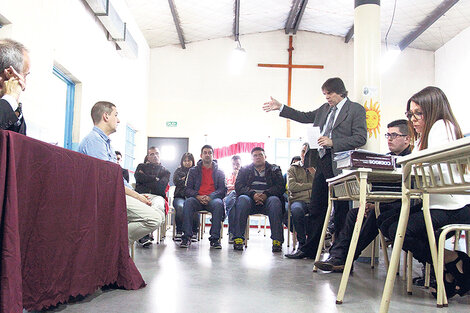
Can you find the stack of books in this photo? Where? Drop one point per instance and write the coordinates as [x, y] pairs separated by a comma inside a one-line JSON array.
[[363, 158]]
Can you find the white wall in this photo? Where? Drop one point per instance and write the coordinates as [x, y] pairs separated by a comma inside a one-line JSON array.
[[452, 75], [194, 86], [66, 32]]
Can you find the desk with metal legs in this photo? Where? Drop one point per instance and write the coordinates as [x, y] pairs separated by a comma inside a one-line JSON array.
[[355, 185], [429, 165]]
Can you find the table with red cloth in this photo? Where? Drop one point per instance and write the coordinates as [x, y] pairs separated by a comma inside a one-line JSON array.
[[63, 225]]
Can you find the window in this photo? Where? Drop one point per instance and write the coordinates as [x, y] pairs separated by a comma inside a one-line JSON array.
[[130, 146], [285, 150], [69, 106]]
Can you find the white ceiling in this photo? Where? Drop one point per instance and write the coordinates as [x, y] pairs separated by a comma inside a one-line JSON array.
[[210, 19]]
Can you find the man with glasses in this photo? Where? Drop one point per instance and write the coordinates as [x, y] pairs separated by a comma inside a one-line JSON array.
[[260, 188], [14, 67], [398, 140]]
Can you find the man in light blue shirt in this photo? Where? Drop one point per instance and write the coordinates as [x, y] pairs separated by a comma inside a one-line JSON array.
[[142, 216]]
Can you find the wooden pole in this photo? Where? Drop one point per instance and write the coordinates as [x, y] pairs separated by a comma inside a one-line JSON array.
[[289, 83]]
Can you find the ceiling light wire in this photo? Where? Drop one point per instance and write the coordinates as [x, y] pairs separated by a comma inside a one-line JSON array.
[[391, 23]]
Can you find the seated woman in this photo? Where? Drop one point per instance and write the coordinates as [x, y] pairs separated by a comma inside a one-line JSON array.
[[434, 124], [299, 187], [179, 179]]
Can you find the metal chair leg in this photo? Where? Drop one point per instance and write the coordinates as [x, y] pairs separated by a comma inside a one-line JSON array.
[[427, 275], [247, 231], [457, 240], [265, 223], [409, 272], [372, 256]]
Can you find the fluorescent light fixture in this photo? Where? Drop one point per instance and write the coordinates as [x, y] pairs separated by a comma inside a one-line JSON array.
[[113, 23], [128, 47], [389, 58], [237, 59], [98, 6]]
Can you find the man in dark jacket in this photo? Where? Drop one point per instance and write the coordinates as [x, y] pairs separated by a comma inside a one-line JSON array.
[[205, 189], [14, 67], [343, 127], [151, 179], [260, 188]]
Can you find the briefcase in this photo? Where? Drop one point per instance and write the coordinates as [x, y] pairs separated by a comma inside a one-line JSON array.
[[363, 158]]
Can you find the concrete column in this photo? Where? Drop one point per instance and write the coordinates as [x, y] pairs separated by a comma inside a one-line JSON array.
[[367, 73], [367, 66]]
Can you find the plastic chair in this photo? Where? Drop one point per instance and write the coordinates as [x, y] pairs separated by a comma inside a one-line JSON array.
[[247, 229]]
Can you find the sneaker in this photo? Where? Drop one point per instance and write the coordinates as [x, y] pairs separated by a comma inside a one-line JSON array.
[[185, 243], [277, 247], [215, 244], [230, 238], [178, 237], [145, 241], [330, 265], [194, 238], [238, 244]]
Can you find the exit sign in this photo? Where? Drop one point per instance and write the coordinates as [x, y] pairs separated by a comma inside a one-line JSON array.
[[171, 124]]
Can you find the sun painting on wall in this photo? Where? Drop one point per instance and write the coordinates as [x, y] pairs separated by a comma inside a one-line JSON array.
[[373, 117]]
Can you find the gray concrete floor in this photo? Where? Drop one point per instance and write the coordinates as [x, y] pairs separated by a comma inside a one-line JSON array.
[[199, 279]]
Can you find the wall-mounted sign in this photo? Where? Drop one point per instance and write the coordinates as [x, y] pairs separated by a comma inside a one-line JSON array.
[[171, 124]]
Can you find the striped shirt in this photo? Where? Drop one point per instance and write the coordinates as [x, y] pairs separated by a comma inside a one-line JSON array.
[[259, 183]]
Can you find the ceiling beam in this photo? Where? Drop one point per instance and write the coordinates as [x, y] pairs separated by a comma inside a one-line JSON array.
[[349, 35], [295, 16], [427, 22], [290, 18], [176, 20], [236, 22]]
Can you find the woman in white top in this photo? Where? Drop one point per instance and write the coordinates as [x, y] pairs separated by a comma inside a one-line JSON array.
[[434, 124]]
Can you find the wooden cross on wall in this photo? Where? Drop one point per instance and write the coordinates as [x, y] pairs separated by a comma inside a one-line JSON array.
[[290, 66]]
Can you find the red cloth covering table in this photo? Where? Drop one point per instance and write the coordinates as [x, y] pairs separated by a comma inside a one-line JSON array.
[[63, 225]]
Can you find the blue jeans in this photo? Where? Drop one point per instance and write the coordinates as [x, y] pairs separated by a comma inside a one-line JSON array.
[[245, 206], [298, 210], [178, 204], [229, 202], [192, 206]]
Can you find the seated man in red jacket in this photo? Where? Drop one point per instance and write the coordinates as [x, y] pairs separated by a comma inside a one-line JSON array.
[[205, 189]]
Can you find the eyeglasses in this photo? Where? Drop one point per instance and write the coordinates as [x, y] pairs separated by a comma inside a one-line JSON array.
[[393, 135], [416, 115]]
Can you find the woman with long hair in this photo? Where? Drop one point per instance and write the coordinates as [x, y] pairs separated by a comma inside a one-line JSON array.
[[434, 124], [179, 179]]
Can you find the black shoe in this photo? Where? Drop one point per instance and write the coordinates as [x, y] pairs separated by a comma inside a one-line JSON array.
[[145, 241], [299, 254], [185, 243], [178, 237], [330, 265], [194, 238], [215, 244], [238, 244]]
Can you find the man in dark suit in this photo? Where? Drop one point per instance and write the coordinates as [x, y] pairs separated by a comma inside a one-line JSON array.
[[343, 127], [14, 67]]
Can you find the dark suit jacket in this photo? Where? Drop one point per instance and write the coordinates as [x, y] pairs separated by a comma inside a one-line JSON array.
[[350, 128], [8, 119]]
